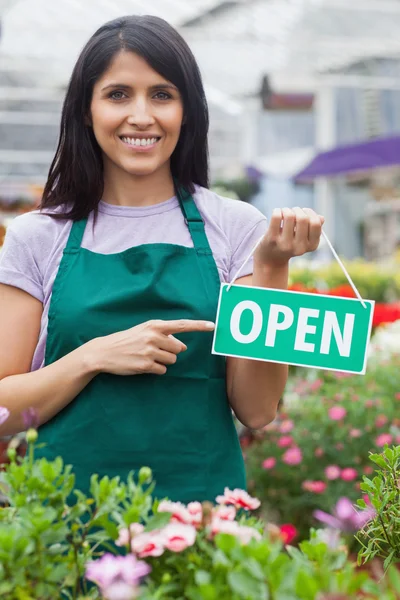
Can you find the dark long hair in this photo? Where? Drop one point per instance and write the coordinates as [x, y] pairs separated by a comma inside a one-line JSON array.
[[75, 181]]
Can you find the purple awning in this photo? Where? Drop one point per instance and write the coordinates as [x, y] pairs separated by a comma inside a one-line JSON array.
[[353, 158]]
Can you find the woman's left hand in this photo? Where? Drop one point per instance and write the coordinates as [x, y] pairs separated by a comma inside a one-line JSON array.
[[291, 232]]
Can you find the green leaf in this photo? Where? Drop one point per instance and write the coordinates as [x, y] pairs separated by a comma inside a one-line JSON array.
[[306, 587], [202, 577], [245, 586], [158, 521]]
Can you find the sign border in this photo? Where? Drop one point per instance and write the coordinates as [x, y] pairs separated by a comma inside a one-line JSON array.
[[281, 362]]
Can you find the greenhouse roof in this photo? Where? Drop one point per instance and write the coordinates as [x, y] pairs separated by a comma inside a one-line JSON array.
[[235, 41]]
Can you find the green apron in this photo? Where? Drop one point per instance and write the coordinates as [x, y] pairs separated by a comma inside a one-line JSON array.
[[180, 424]]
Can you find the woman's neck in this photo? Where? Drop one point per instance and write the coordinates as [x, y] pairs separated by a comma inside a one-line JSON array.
[[123, 189]]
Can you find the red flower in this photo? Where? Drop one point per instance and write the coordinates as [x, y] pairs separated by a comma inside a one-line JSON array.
[[345, 290], [288, 533], [386, 313]]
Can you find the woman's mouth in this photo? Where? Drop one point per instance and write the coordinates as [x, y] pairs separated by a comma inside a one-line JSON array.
[[140, 144]]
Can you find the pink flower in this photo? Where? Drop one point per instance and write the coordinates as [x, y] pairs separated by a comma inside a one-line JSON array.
[[286, 426], [368, 470], [381, 420], [341, 375], [383, 438], [348, 474], [355, 397], [319, 452], [345, 517], [239, 499], [178, 537], [191, 514], [332, 472], [123, 539], [117, 574], [244, 533], [285, 441], [337, 413], [269, 463], [292, 456], [4, 414], [369, 403], [355, 433], [196, 512], [224, 513], [316, 487], [315, 385], [397, 396], [339, 446], [148, 544], [288, 533]]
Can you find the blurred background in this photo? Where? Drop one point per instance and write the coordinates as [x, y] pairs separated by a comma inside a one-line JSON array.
[[304, 99]]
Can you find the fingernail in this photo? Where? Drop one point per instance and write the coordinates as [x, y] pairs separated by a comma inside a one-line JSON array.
[[210, 325]]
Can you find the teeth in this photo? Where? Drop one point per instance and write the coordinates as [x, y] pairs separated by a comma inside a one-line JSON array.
[[139, 141]]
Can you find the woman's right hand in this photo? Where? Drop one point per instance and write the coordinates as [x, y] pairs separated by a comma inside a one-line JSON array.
[[147, 348]]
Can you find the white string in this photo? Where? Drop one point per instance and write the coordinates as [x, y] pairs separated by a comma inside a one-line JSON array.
[[344, 269], [333, 252], [245, 263]]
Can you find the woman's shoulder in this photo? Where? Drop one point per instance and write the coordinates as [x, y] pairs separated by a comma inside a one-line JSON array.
[[230, 216], [37, 228]]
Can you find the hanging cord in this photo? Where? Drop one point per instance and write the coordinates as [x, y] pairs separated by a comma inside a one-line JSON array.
[[333, 252]]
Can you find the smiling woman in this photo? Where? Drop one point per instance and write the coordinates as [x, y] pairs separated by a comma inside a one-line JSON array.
[[108, 293]]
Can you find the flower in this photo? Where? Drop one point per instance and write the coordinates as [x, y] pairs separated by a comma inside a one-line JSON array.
[[383, 438], [4, 414], [243, 532], [355, 433], [292, 456], [225, 513], [319, 452], [337, 413], [288, 533], [177, 537], [381, 420], [316, 385], [269, 463], [30, 418], [191, 514], [368, 470], [148, 544], [124, 537], [286, 426], [345, 517], [348, 474], [332, 472], [397, 396], [285, 441], [316, 487], [239, 499], [116, 575]]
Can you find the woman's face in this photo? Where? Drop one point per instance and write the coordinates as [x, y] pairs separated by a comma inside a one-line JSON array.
[[136, 116]]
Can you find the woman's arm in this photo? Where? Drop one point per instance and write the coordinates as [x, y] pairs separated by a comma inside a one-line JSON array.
[[145, 348], [255, 387], [47, 390]]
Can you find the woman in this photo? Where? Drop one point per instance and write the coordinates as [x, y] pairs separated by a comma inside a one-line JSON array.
[[109, 292]]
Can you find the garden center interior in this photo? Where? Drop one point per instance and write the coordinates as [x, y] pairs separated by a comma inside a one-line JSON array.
[[304, 101]]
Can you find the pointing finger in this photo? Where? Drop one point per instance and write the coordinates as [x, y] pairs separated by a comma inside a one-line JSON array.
[[185, 325]]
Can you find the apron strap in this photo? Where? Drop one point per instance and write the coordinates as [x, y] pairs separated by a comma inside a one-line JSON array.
[[75, 236], [194, 222]]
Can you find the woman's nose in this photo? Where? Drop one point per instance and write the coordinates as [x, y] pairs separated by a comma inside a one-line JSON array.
[[140, 114]]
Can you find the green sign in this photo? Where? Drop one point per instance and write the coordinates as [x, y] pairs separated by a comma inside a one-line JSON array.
[[308, 330]]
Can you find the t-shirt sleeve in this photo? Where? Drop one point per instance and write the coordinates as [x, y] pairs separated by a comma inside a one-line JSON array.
[[244, 247], [18, 266]]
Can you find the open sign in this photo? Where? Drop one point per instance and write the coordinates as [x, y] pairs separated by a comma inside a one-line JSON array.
[[309, 330]]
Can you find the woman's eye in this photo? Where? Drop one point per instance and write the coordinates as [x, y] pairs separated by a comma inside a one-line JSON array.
[[162, 96], [117, 95]]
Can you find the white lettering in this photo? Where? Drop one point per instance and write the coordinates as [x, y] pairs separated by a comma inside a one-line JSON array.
[[303, 328], [237, 312], [273, 324], [331, 325]]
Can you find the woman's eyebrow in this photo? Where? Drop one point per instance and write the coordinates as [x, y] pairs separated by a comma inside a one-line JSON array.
[[162, 85]]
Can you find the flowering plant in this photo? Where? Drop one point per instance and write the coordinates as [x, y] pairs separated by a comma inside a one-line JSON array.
[[316, 451]]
